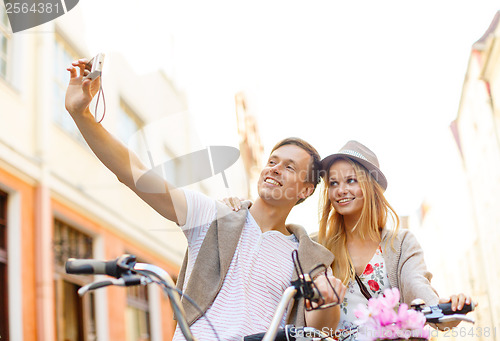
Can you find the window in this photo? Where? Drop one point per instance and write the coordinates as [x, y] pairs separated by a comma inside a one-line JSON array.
[[63, 56], [137, 314], [171, 170], [75, 315], [128, 128], [5, 43], [4, 303]]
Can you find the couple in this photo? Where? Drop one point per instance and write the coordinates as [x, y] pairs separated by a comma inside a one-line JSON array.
[[238, 263]]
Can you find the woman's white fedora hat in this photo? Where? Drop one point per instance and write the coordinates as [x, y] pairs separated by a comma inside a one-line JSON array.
[[360, 153]]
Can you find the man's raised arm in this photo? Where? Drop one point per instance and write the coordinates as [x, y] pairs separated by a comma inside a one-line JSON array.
[[127, 167]]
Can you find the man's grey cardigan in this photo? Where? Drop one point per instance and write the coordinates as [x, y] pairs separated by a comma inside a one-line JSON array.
[[217, 251]]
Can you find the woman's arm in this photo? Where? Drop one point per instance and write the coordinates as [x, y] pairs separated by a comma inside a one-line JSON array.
[[415, 280]]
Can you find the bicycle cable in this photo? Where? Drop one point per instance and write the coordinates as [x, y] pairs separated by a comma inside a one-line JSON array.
[[189, 299], [307, 288]]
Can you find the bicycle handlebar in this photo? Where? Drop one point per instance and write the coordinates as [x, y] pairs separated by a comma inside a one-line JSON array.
[[443, 313], [127, 272], [446, 308], [433, 314]]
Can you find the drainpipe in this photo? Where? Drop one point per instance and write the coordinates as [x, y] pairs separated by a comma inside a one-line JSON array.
[[44, 272]]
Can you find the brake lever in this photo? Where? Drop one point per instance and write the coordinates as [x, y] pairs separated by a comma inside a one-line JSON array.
[[456, 317], [121, 282], [442, 312], [432, 314], [97, 284]]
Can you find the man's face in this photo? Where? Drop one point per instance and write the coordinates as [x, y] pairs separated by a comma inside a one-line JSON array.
[[284, 178]]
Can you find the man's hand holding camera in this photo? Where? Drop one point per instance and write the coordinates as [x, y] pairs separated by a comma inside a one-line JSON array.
[[81, 90]]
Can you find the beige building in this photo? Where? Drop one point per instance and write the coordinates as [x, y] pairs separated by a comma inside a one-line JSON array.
[[478, 138], [58, 201], [471, 227], [250, 145]]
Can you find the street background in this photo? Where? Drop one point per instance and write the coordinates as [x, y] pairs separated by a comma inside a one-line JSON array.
[[418, 83]]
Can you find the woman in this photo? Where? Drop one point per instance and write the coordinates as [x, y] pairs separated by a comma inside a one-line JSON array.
[[369, 256]]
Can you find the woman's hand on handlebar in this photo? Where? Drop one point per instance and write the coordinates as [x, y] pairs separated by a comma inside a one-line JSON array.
[[457, 303]]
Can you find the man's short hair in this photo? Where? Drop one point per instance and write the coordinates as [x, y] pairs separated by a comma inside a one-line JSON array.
[[314, 172]]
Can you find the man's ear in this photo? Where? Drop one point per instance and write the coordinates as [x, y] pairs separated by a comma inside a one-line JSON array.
[[307, 191]]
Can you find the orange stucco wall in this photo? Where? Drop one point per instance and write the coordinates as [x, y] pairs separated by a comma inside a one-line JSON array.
[[26, 194], [113, 244]]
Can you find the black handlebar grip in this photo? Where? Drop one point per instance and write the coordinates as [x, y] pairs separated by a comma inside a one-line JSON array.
[[92, 267], [280, 336], [446, 308]]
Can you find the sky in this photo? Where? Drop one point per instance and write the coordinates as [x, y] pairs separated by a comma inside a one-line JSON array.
[[386, 73]]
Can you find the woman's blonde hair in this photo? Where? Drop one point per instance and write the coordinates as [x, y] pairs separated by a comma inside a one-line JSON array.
[[374, 215]]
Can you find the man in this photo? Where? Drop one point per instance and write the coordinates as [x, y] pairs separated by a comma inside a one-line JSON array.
[[238, 263]]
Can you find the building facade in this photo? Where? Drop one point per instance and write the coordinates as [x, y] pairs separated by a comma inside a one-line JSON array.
[[58, 201], [457, 224], [476, 131], [250, 145], [478, 137]]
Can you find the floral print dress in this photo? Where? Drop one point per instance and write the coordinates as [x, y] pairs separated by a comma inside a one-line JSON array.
[[375, 280]]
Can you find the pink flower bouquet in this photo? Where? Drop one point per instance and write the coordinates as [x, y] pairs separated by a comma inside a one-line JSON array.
[[385, 319]]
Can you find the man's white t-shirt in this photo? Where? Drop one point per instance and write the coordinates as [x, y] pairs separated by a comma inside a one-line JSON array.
[[261, 269]]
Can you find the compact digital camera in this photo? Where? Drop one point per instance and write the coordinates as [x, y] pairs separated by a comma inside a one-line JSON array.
[[94, 66]]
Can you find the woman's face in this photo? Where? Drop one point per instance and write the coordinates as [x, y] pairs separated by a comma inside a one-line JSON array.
[[344, 190]]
